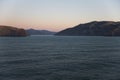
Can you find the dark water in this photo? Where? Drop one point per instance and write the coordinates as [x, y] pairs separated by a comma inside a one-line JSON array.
[[60, 58]]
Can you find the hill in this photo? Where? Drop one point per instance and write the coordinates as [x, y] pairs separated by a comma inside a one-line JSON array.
[[12, 31], [39, 32], [95, 28]]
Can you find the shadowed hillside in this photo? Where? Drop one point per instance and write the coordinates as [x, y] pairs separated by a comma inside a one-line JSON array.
[[12, 31], [95, 28]]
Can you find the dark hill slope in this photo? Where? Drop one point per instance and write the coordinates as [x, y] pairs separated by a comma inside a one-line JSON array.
[[101, 28], [12, 31]]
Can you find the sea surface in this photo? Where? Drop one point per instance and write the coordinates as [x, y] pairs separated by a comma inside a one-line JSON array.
[[60, 58]]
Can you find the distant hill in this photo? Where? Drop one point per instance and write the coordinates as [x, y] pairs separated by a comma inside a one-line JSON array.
[[39, 32], [12, 32], [95, 28]]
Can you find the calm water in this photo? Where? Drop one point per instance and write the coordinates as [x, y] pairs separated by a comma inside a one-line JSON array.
[[60, 58]]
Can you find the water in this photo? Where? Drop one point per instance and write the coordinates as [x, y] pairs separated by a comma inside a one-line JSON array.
[[60, 58]]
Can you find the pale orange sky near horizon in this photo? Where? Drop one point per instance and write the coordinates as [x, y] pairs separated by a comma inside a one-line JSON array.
[[56, 15]]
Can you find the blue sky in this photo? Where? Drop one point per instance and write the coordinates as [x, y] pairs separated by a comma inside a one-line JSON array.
[[56, 15]]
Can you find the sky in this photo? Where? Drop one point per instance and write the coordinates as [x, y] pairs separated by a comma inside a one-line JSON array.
[[56, 15]]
